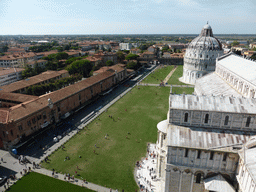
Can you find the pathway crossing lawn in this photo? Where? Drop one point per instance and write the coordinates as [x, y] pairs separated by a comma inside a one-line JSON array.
[[132, 126], [158, 75], [174, 80], [181, 90], [35, 182]]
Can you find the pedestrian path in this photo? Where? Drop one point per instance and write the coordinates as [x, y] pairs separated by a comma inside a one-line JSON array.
[[146, 172], [169, 75]]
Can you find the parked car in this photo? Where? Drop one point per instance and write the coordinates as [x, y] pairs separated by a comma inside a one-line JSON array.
[[2, 179]]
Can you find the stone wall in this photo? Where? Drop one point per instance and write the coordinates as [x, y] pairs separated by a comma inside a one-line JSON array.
[[224, 120], [203, 159]]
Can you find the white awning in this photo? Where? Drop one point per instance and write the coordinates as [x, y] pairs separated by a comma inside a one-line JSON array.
[[218, 183]]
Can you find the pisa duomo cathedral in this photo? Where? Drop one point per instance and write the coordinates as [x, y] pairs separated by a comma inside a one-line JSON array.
[[208, 141]]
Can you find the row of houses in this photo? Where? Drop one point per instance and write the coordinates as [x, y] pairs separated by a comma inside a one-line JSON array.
[[28, 114]]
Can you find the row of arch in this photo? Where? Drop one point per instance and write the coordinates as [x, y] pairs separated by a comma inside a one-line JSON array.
[[236, 83], [200, 175], [226, 121]]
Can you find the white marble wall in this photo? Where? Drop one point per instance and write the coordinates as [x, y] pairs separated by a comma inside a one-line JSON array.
[[246, 183], [213, 160], [246, 88], [235, 121], [198, 62]]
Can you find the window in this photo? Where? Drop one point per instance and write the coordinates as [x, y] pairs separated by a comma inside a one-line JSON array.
[[206, 119], [225, 156], [58, 109], [198, 154], [39, 117], [29, 123], [248, 121], [205, 66], [3, 133], [198, 177], [226, 120], [44, 116], [79, 96], [186, 153], [11, 133], [34, 120], [211, 155], [20, 127], [186, 117]]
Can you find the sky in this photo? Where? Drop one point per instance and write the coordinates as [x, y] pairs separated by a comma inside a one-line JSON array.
[[45, 17]]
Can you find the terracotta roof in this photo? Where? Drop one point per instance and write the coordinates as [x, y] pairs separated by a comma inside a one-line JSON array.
[[9, 71], [31, 81], [117, 67], [17, 97], [3, 115], [27, 108]]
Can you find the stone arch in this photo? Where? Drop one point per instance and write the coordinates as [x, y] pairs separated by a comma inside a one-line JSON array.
[[187, 171], [199, 176], [176, 169]]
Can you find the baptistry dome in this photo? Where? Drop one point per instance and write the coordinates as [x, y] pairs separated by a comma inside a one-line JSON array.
[[200, 56], [206, 40]]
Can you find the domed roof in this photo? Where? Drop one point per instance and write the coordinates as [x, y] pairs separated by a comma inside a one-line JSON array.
[[206, 40]]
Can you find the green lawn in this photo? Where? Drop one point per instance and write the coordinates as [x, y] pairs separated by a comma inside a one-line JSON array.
[[37, 182], [158, 75], [174, 80], [181, 90], [135, 118]]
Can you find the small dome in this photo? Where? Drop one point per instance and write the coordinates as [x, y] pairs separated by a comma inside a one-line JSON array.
[[207, 26]]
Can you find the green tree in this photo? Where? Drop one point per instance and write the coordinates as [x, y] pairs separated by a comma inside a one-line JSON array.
[[133, 65], [109, 63], [120, 56], [235, 43], [5, 48], [253, 56], [82, 67], [131, 56]]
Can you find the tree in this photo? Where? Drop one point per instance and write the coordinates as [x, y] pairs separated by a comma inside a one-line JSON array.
[[131, 56], [253, 56], [82, 67], [5, 48], [109, 63], [120, 56], [133, 65], [235, 43]]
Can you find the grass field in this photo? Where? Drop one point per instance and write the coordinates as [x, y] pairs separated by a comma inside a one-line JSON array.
[[181, 90], [38, 182], [159, 75], [132, 126], [174, 80]]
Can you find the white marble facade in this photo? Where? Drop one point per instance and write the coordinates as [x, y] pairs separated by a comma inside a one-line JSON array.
[[239, 73], [200, 56]]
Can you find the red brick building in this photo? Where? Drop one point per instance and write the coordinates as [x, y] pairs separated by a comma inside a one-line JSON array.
[[29, 114]]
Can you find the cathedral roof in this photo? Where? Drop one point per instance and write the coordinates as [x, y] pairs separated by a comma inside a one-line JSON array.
[[206, 40], [213, 103]]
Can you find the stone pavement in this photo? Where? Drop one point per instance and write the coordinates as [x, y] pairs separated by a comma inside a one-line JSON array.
[[170, 74], [146, 172]]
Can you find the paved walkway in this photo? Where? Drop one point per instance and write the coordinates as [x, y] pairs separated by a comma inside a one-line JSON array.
[[146, 173], [170, 74], [157, 85]]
